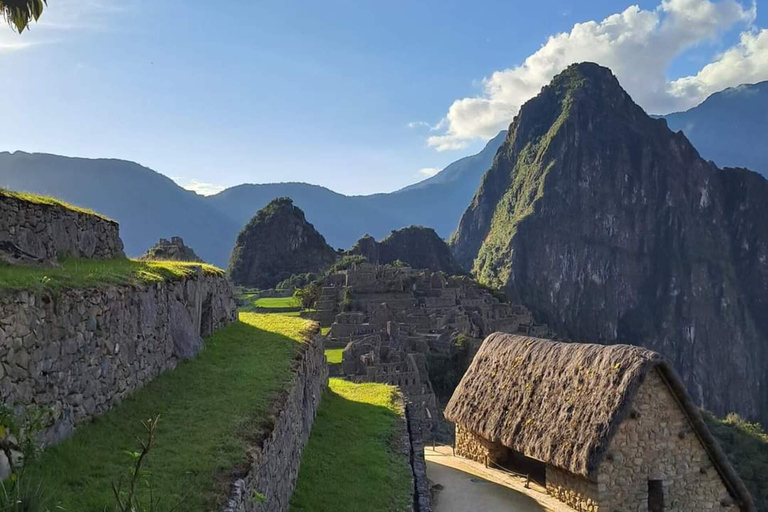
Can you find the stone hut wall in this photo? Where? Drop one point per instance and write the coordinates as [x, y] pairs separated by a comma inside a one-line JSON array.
[[659, 444], [48, 232], [78, 352], [270, 483], [471, 446], [576, 491]]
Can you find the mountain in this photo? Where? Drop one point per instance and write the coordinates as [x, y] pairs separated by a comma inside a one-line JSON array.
[[276, 244], [417, 246], [437, 202], [343, 219], [613, 229], [730, 127], [147, 205]]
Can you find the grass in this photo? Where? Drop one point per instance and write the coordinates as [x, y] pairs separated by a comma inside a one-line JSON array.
[[351, 462], [325, 330], [334, 355], [277, 302], [211, 408], [52, 201], [746, 445], [82, 273]]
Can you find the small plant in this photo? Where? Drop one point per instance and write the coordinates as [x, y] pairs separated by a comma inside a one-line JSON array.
[[308, 295], [128, 499]]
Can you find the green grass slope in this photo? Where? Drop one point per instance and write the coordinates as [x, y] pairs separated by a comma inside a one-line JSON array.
[[351, 462], [211, 409]]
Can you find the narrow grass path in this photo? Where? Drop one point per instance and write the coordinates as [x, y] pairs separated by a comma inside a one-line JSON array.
[[209, 408], [352, 463]]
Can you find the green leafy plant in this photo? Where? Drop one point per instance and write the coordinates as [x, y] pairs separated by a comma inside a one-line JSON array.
[[308, 295], [18, 13], [128, 498]]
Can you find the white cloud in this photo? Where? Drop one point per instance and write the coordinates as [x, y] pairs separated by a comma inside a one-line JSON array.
[[638, 45], [419, 124], [428, 172], [200, 187]]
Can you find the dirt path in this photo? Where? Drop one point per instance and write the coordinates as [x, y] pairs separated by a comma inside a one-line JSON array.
[[470, 487]]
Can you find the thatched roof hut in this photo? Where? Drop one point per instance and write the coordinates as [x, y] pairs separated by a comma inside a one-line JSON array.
[[561, 403]]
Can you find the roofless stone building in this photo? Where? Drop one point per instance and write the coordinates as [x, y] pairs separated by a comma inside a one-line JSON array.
[[608, 428]]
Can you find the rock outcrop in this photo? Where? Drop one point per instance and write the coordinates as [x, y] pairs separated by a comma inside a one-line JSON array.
[[612, 228], [416, 246], [171, 250], [276, 244]]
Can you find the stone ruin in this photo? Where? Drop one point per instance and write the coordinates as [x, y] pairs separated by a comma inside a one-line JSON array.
[[173, 250], [390, 318]]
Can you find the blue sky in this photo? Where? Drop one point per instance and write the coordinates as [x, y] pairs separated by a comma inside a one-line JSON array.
[[359, 96]]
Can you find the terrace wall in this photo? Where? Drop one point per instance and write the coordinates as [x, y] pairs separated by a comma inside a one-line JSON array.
[[78, 352], [47, 232], [271, 479]]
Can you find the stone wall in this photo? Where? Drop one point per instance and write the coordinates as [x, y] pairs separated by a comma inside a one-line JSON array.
[[270, 483], [32, 232], [658, 443], [421, 496], [577, 492], [471, 446], [78, 352]]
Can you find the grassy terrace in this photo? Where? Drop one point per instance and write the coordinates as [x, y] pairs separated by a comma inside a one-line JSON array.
[[351, 462], [86, 273], [211, 408], [334, 355], [38, 199], [276, 302]]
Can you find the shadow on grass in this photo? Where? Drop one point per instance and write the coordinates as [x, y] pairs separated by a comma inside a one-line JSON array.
[[353, 460], [210, 408]]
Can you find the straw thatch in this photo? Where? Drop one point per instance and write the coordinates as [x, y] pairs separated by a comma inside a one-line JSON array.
[[561, 403]]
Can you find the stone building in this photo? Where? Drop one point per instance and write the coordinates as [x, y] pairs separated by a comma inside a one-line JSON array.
[[604, 428], [390, 318]]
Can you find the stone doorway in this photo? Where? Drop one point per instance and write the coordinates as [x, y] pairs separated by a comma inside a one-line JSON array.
[[655, 496], [516, 462]]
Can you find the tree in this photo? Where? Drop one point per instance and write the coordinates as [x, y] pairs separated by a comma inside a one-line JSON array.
[[19, 13]]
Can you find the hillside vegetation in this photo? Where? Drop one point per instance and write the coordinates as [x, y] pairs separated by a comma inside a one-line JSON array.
[[211, 409], [277, 244]]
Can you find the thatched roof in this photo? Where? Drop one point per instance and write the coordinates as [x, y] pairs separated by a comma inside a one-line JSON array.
[[561, 403]]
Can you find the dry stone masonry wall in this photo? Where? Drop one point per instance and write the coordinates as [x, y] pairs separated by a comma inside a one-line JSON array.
[[78, 352], [270, 483], [658, 443], [43, 233]]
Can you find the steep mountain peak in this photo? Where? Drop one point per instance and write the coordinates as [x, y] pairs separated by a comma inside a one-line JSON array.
[[613, 229], [276, 244]]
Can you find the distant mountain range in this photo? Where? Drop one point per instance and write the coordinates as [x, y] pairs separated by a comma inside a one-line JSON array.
[[150, 206], [730, 127]]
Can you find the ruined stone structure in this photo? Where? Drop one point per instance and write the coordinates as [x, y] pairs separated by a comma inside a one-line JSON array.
[[275, 463], [173, 250], [389, 318], [43, 232], [608, 428], [78, 352]]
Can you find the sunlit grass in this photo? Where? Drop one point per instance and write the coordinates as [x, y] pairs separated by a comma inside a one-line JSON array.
[[38, 199], [334, 355], [352, 462], [80, 273], [209, 407]]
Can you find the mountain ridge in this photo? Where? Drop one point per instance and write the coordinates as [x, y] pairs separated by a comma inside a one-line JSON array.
[[611, 228]]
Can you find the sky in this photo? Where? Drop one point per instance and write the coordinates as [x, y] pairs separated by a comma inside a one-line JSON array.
[[360, 96]]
